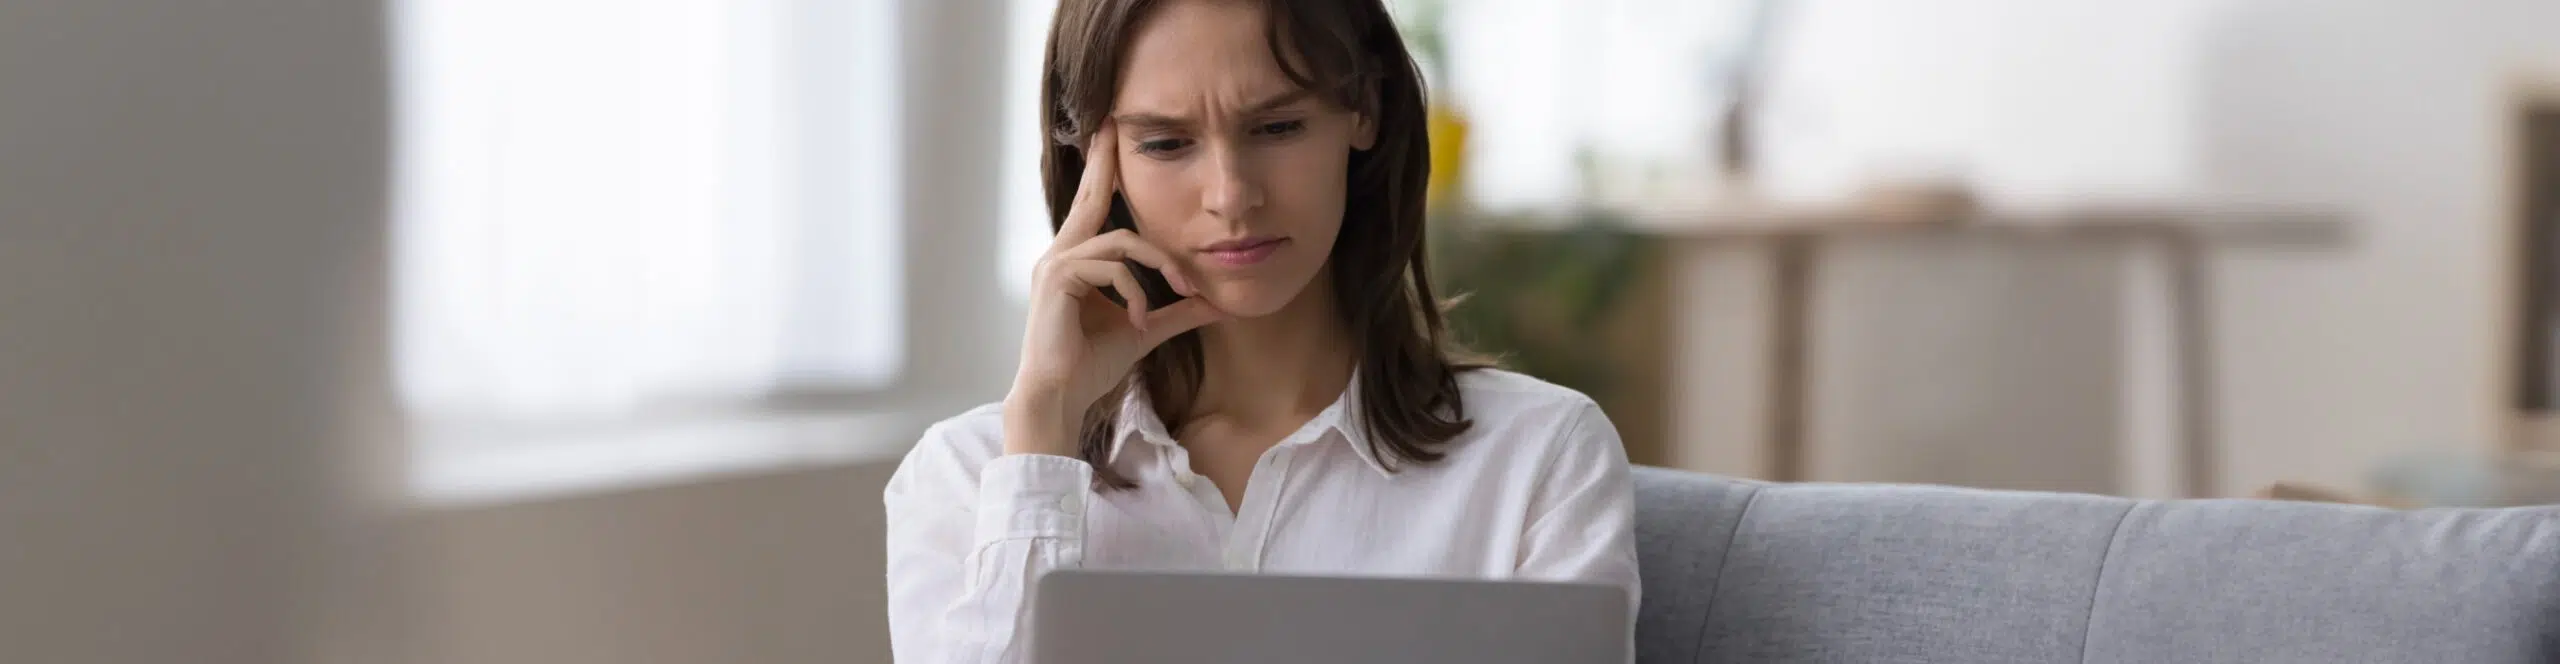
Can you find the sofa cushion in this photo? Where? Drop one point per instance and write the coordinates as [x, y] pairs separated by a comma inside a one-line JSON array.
[[1682, 525], [2253, 581], [1739, 571]]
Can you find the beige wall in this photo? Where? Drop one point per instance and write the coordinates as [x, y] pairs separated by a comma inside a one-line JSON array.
[[774, 569], [2389, 110], [2032, 101]]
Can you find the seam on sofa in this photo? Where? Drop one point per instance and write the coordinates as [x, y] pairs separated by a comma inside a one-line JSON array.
[[2106, 559], [1707, 616]]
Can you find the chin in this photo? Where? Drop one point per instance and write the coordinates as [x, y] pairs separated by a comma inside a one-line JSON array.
[[1248, 300]]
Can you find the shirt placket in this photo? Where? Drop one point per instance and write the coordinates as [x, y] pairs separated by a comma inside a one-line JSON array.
[[1250, 538], [1244, 532], [1211, 505]]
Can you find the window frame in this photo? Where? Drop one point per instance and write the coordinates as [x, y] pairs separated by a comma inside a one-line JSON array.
[[952, 312]]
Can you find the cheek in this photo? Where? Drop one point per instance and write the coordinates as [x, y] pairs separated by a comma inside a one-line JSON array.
[[1160, 195], [1306, 189]]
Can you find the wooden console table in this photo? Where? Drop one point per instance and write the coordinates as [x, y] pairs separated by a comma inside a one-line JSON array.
[[1795, 236]]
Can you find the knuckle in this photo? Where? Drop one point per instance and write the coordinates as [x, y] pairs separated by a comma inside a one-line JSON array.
[[1054, 271]]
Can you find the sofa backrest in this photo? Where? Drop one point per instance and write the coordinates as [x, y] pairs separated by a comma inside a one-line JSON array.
[[1740, 571]]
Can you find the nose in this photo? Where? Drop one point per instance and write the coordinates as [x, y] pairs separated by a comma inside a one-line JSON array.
[[1233, 190]]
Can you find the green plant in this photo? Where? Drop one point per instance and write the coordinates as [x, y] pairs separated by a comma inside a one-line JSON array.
[[1536, 300], [1539, 300]]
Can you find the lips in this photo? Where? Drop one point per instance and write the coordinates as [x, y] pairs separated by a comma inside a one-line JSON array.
[[1247, 251]]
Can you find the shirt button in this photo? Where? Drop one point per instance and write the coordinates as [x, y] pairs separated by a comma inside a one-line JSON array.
[[1184, 478], [1237, 561], [1070, 505]]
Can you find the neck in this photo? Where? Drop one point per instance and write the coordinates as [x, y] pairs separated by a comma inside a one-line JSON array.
[[1286, 366]]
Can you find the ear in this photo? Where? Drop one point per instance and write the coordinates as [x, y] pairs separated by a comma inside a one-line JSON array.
[[1364, 132]]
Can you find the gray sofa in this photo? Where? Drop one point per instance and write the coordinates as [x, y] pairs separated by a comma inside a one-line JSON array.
[[1738, 571]]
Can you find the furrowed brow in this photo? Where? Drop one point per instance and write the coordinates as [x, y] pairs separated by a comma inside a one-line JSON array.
[[1142, 120]]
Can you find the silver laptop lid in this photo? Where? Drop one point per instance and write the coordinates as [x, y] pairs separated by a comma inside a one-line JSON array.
[[1096, 617]]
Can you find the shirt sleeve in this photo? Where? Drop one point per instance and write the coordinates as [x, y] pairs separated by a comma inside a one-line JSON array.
[[965, 544], [1582, 515]]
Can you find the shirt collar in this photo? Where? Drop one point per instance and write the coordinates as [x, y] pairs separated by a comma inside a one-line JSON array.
[[1138, 420]]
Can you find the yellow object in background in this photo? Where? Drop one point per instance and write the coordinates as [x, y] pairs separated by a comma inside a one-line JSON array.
[[1448, 129]]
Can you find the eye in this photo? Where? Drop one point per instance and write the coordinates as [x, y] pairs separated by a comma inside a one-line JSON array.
[[1280, 129], [1162, 145]]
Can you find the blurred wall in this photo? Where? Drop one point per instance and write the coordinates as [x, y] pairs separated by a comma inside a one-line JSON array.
[[191, 207], [779, 568], [2032, 101], [2395, 112], [1932, 362]]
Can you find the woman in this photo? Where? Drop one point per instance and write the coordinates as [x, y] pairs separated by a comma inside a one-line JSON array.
[[1236, 363]]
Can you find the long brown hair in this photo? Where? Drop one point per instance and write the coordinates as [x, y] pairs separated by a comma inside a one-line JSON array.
[[1348, 53]]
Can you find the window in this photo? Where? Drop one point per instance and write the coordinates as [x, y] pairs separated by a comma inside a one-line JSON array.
[[616, 210]]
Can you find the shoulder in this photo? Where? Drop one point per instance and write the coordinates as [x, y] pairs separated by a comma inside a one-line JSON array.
[[1536, 432], [1498, 395], [1517, 409], [953, 450]]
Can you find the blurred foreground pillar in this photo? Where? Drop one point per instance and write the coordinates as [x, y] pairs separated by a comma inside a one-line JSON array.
[[191, 217]]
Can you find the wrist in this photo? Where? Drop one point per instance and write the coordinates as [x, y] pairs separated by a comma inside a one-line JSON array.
[[1038, 422]]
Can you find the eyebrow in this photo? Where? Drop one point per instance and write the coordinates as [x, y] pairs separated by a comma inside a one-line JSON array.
[[1142, 120]]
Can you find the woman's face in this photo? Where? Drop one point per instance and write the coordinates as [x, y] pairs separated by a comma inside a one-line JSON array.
[[1225, 163]]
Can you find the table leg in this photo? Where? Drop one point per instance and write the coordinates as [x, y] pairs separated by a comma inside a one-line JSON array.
[[1790, 312], [2191, 329]]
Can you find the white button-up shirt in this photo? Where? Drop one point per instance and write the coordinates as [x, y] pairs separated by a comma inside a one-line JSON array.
[[1537, 489]]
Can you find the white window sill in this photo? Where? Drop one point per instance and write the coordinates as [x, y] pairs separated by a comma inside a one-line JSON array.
[[450, 470]]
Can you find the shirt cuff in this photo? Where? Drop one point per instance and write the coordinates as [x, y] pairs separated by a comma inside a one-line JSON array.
[[1032, 495]]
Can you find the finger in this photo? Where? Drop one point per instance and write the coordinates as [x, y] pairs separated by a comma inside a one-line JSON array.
[[1126, 244], [1093, 193], [1097, 274], [1179, 317]]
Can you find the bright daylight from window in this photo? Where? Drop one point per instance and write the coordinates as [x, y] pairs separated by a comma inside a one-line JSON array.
[[618, 211]]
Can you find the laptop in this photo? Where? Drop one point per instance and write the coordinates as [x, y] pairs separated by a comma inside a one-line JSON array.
[[1100, 617]]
